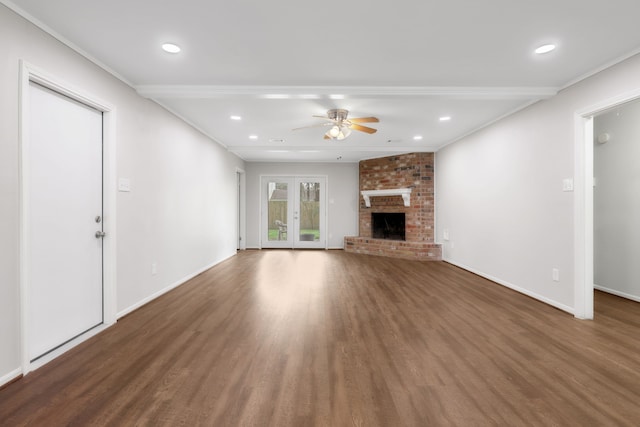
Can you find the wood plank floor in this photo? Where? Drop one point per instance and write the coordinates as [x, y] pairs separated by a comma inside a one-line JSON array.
[[303, 338]]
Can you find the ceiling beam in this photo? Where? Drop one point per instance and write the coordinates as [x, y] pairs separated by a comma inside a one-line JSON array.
[[322, 148], [342, 92]]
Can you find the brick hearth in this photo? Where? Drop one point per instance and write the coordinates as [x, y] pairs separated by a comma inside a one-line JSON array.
[[414, 171]]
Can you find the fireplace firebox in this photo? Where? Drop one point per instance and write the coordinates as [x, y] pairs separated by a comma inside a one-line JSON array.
[[388, 226]]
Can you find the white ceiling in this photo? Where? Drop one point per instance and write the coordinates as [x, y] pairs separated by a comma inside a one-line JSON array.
[[408, 62]]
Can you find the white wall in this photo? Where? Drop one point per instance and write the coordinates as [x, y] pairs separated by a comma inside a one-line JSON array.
[[617, 202], [183, 197], [342, 196], [499, 191]]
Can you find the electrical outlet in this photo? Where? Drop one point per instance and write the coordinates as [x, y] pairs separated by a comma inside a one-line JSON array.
[[154, 268], [555, 275]]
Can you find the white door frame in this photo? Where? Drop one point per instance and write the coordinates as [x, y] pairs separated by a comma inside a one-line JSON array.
[[242, 211], [30, 73], [583, 206]]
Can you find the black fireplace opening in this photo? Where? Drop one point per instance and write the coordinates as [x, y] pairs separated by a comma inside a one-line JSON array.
[[389, 226]]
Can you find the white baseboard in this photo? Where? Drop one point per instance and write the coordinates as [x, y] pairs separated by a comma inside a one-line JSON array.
[[10, 376], [66, 347], [524, 291], [169, 288], [329, 247], [635, 298]]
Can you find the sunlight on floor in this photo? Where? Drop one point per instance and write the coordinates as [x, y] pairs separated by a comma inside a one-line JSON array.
[[283, 289]]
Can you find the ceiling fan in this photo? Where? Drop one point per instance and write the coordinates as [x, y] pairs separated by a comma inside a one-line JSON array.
[[341, 126]]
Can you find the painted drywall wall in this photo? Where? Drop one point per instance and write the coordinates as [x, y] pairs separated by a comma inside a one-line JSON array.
[[342, 196], [499, 192], [616, 198], [183, 194]]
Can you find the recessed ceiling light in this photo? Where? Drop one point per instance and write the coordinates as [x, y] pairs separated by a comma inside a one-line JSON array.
[[171, 48], [276, 96], [336, 96], [417, 137], [235, 118], [445, 118], [545, 48], [253, 136]]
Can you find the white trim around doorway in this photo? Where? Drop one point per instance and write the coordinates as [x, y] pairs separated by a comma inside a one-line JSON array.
[[583, 202], [30, 73], [325, 198], [242, 210]]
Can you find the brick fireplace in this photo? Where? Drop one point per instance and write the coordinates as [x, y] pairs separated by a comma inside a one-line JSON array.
[[398, 184]]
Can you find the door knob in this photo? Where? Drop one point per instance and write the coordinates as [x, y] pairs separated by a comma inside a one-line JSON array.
[[100, 234]]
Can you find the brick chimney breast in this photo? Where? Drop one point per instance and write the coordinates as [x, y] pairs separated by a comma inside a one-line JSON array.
[[414, 171]]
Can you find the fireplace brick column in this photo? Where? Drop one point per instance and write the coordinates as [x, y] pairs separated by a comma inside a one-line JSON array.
[[415, 171]]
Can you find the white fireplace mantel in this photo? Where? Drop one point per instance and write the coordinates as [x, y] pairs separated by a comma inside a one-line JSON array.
[[404, 192]]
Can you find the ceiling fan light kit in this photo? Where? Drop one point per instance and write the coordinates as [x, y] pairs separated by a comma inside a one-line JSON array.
[[341, 125], [338, 132]]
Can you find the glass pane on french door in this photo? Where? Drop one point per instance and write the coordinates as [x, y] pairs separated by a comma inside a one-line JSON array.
[[309, 211], [278, 206]]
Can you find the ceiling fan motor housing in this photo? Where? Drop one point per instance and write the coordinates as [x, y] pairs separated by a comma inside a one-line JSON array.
[[337, 114]]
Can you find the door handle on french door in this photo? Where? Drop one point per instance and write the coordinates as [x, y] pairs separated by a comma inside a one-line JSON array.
[[100, 234]]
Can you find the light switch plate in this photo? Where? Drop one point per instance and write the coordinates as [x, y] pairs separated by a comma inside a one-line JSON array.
[[567, 184], [124, 185]]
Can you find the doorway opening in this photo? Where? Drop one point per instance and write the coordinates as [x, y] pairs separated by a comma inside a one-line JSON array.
[[294, 213], [617, 201], [584, 201]]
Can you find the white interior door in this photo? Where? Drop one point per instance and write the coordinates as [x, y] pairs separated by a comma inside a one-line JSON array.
[[64, 194], [293, 212]]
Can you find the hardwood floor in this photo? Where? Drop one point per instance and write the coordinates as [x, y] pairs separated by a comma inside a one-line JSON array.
[[301, 338]]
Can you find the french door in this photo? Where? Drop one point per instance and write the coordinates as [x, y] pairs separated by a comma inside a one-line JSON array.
[[293, 212]]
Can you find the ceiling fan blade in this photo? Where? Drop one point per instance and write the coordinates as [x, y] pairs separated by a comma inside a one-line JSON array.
[[365, 120], [326, 118], [363, 128], [326, 136], [314, 126]]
